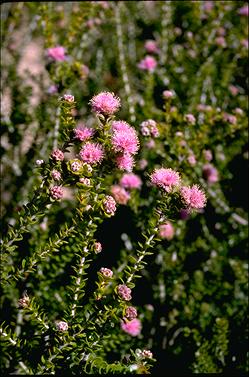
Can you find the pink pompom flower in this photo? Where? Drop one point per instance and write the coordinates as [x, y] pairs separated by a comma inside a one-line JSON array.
[[149, 64], [151, 46], [125, 141], [120, 194], [167, 94], [191, 160], [142, 163], [244, 11], [132, 327], [56, 53], [105, 103], [166, 231], [193, 197], [230, 118], [207, 153], [120, 125], [130, 181], [83, 133], [92, 153], [210, 173], [190, 118], [220, 41], [166, 179], [56, 192], [125, 162]]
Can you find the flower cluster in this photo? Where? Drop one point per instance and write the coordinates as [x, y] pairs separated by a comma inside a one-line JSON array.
[[124, 292], [109, 205], [149, 128]]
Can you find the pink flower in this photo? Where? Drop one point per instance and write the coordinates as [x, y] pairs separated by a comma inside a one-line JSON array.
[[106, 272], [149, 128], [130, 313], [52, 89], [220, 41], [150, 144], [61, 326], [92, 153], [151, 46], [191, 160], [124, 292], [238, 111], [166, 231], [56, 192], [130, 181], [85, 181], [24, 301], [120, 125], [147, 354], [208, 154], [168, 94], [84, 70], [56, 175], [165, 178], [190, 118], [120, 194], [243, 11], [97, 247], [125, 140], [105, 103], [103, 4], [233, 90], [230, 118], [76, 165], [68, 98], [244, 43], [221, 31], [208, 6], [109, 205], [194, 197], [125, 162], [132, 327], [142, 163], [56, 53], [210, 173], [90, 23], [57, 155], [83, 133], [148, 63]]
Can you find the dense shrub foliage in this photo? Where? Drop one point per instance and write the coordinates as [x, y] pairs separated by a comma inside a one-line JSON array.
[[124, 153]]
